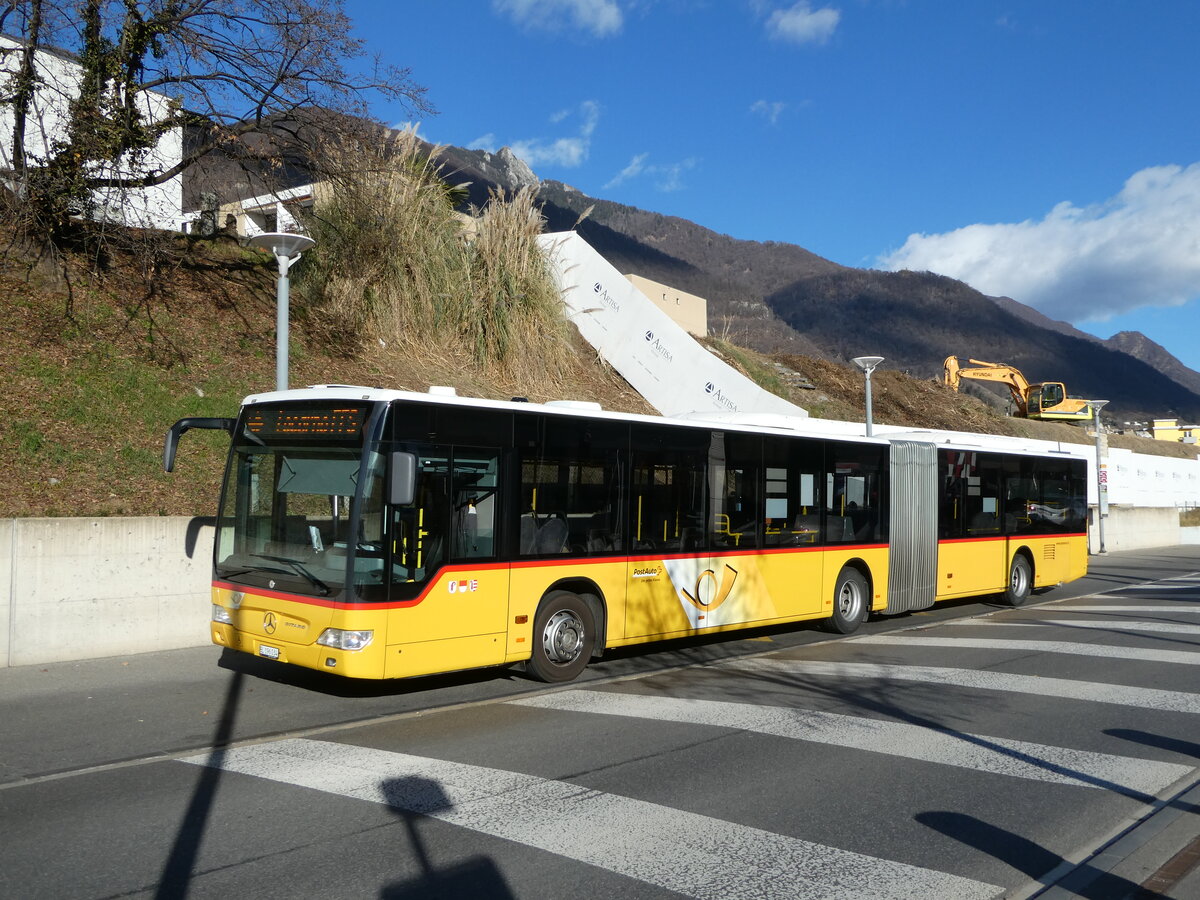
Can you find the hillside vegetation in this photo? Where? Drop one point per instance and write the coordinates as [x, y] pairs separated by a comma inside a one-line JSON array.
[[103, 354]]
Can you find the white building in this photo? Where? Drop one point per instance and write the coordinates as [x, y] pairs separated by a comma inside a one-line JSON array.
[[59, 76]]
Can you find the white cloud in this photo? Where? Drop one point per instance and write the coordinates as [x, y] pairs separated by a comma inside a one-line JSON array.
[[771, 110], [633, 170], [801, 24], [568, 152], [599, 17], [1140, 248], [666, 176], [484, 142]]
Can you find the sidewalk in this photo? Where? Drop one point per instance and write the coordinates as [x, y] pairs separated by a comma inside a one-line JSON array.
[[1159, 857]]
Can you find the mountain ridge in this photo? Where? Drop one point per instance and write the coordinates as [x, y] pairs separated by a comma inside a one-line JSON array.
[[779, 297]]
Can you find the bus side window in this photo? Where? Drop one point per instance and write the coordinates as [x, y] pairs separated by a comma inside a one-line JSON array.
[[572, 486], [419, 529], [473, 503], [734, 464], [791, 508], [854, 493], [667, 509]]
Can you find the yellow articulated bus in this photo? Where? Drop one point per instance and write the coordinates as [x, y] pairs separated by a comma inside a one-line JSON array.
[[385, 534]]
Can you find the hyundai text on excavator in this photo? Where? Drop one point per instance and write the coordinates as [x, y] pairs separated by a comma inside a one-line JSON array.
[[1046, 401]]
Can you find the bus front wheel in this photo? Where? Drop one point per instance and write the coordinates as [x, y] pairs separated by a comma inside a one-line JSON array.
[[849, 603], [1020, 581], [563, 634]]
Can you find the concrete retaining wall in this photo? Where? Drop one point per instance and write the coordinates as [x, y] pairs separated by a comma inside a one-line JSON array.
[[1135, 528], [88, 588]]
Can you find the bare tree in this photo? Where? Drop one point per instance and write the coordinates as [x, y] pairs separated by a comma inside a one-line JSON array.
[[222, 69]]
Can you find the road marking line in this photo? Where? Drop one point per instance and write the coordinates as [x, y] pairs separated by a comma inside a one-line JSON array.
[[999, 756], [685, 852], [1071, 648], [1090, 691]]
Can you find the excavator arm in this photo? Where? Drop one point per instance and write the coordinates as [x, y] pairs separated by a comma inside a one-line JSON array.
[[980, 370]]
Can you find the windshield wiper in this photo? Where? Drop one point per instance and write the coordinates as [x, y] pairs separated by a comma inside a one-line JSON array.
[[299, 570]]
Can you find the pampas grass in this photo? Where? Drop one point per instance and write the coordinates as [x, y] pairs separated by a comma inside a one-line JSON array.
[[395, 263]]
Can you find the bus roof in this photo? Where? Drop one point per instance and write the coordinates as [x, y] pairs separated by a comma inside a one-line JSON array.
[[824, 429]]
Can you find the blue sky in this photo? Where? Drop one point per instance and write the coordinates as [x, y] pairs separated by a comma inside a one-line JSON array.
[[1047, 151]]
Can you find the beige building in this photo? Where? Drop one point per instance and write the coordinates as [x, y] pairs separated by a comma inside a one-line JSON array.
[[1171, 430], [275, 211], [687, 310], [270, 212]]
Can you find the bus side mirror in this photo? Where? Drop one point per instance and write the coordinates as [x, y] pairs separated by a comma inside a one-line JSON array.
[[171, 443], [404, 479]]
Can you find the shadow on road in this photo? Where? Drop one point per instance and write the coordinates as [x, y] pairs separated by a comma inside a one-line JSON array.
[[1027, 857], [477, 877], [177, 872]]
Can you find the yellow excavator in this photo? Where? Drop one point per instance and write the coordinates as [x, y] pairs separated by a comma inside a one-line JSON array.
[[1047, 401]]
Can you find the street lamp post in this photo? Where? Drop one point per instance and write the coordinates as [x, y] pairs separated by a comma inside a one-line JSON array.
[[868, 364], [286, 249], [1101, 476]]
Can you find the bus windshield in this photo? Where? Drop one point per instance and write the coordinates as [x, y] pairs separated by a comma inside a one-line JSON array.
[[289, 516]]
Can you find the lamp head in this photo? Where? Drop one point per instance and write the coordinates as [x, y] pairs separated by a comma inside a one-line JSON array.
[[282, 243], [867, 363]]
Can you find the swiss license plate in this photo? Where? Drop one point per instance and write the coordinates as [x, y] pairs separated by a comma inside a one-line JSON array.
[[268, 652]]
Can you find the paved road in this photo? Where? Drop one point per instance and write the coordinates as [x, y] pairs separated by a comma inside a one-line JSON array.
[[971, 751]]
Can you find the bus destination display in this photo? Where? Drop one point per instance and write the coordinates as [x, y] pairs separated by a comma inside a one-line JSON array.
[[307, 422]]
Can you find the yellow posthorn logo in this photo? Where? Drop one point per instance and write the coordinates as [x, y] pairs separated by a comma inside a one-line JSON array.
[[718, 595]]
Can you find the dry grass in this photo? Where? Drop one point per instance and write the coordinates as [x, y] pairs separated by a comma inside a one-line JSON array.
[[100, 363]]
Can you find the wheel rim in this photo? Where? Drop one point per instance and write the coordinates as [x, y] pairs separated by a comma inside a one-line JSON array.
[[562, 639], [1020, 580], [849, 600]]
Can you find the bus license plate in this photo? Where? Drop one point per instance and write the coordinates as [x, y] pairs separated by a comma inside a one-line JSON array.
[[268, 652]]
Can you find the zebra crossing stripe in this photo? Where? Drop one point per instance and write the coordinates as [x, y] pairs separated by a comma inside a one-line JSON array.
[[691, 854], [1095, 692], [999, 756], [1156, 627], [1177, 608], [1071, 648], [1157, 586]]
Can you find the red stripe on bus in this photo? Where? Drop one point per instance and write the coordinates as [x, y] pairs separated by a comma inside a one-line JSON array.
[[1010, 537], [525, 564]]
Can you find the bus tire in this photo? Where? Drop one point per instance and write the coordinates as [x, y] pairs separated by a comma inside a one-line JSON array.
[[563, 636], [1020, 581], [850, 603]]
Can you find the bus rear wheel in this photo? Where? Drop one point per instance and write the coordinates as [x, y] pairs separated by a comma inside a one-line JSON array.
[[1020, 581], [563, 633], [849, 603]]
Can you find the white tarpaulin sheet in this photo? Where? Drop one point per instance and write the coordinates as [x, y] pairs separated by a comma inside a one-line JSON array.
[[662, 362]]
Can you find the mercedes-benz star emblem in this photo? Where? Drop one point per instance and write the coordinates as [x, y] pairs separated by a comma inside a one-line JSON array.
[[269, 623]]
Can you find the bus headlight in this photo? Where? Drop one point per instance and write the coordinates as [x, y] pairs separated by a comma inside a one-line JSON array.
[[345, 640], [221, 614]]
